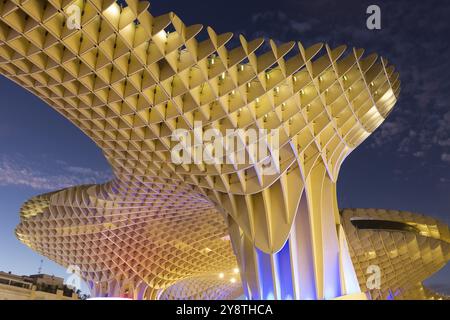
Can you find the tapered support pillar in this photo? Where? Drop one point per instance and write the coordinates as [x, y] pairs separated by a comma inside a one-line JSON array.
[[313, 263]]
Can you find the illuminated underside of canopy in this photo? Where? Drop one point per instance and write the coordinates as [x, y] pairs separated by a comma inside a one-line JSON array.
[[116, 262], [128, 80]]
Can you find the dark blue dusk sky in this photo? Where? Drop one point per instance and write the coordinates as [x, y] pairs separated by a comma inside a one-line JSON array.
[[405, 165]]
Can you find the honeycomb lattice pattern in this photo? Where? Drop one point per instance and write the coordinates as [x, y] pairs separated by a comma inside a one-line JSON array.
[[205, 288], [128, 79], [406, 258], [128, 245]]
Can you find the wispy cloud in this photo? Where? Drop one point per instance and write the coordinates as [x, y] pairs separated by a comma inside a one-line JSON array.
[[389, 131], [445, 157], [46, 174], [419, 127], [420, 124], [280, 26]]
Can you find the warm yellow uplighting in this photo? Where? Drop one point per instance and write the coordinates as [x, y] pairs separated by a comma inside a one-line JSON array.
[[162, 35], [133, 82], [113, 10]]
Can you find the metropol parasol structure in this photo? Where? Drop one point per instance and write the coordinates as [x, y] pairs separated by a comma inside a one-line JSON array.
[[216, 230]]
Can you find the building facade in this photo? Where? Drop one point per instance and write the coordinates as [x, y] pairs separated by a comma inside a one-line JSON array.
[[34, 287]]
